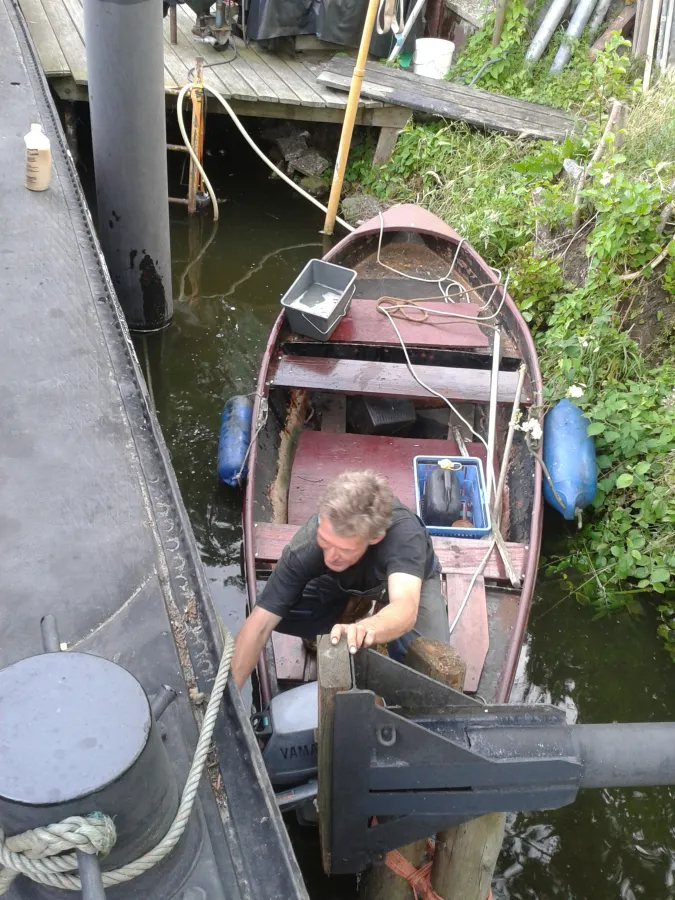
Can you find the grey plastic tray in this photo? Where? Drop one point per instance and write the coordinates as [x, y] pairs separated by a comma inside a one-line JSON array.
[[318, 298]]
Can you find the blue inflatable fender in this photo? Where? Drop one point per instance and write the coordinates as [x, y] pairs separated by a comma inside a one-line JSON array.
[[234, 438], [569, 454]]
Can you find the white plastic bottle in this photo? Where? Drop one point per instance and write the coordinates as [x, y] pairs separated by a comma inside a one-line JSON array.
[[38, 159]]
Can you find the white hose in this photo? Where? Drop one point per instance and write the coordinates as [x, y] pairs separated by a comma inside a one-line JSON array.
[[228, 109]]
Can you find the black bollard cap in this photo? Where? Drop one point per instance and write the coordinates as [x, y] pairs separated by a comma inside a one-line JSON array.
[[70, 724]]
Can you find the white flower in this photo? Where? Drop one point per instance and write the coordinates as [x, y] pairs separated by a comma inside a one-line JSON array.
[[605, 178], [584, 343], [533, 427], [595, 349], [575, 390]]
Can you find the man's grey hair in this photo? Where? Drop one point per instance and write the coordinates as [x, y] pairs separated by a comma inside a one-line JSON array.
[[358, 504]]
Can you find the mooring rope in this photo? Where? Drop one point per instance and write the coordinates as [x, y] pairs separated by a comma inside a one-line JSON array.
[[32, 853]]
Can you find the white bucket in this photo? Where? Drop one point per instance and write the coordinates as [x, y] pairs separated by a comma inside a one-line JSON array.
[[432, 57]]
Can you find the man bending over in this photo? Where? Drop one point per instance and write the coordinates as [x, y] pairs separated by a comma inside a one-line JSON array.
[[363, 550]]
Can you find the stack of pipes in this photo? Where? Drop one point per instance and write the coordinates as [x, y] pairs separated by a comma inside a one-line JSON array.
[[654, 36], [556, 12]]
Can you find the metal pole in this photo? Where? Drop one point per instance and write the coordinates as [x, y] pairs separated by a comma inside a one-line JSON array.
[[125, 62], [492, 414], [197, 135], [350, 118], [50, 634], [90, 876], [545, 31], [402, 37], [581, 16]]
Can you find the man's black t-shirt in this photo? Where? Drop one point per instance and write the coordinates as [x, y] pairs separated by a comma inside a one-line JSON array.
[[406, 548]]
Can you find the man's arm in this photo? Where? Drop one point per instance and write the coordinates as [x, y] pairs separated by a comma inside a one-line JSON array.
[[249, 643], [397, 618]]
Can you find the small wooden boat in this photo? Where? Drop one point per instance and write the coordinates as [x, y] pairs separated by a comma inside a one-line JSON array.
[[309, 394]]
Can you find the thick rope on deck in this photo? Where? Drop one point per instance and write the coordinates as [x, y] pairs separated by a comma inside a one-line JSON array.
[[35, 853]]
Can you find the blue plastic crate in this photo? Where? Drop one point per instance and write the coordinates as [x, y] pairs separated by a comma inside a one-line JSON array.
[[472, 492]]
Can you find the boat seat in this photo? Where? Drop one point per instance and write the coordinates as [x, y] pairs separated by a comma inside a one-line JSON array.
[[385, 379], [363, 324], [457, 556]]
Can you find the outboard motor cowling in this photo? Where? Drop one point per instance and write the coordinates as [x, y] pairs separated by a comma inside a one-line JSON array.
[[286, 731]]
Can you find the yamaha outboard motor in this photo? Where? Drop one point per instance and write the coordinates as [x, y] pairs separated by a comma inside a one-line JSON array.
[[286, 731]]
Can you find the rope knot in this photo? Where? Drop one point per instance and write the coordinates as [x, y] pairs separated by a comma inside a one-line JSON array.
[[43, 851]]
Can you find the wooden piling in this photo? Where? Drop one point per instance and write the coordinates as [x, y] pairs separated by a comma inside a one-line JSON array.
[[466, 855]]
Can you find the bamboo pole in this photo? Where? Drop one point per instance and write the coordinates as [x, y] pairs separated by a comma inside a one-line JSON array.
[[197, 135], [350, 118]]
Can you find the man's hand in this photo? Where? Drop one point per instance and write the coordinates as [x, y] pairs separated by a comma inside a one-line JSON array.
[[359, 634], [394, 620], [249, 643]]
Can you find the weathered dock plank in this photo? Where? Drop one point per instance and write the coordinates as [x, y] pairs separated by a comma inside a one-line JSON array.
[[72, 45], [51, 56], [442, 98]]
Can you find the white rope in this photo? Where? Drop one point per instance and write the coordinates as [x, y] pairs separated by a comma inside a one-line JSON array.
[[481, 566], [190, 149], [31, 853], [249, 140], [262, 419]]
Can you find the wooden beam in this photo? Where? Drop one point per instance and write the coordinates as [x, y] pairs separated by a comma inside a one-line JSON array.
[[334, 675], [386, 144], [384, 379], [442, 98]]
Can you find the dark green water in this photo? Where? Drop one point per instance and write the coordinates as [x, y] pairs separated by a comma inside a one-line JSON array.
[[609, 844]]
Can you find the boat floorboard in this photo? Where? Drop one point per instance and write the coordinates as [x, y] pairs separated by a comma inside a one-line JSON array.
[[321, 456]]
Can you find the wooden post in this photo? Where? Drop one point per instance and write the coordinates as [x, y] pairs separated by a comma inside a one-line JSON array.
[[197, 135], [465, 855], [381, 883], [500, 15], [439, 661], [334, 675], [616, 121], [386, 144]]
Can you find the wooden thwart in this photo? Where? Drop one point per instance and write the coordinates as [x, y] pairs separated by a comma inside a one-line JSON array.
[[351, 376], [365, 325], [452, 101], [457, 555]]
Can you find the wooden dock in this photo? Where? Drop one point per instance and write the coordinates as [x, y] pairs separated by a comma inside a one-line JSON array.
[[257, 82]]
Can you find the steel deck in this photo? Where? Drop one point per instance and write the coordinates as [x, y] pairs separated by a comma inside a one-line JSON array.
[[92, 527]]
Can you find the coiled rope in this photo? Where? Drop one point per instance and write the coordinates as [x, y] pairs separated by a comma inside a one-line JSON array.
[[38, 853]]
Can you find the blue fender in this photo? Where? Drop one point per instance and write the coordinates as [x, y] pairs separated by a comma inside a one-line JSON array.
[[569, 454], [234, 438]]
